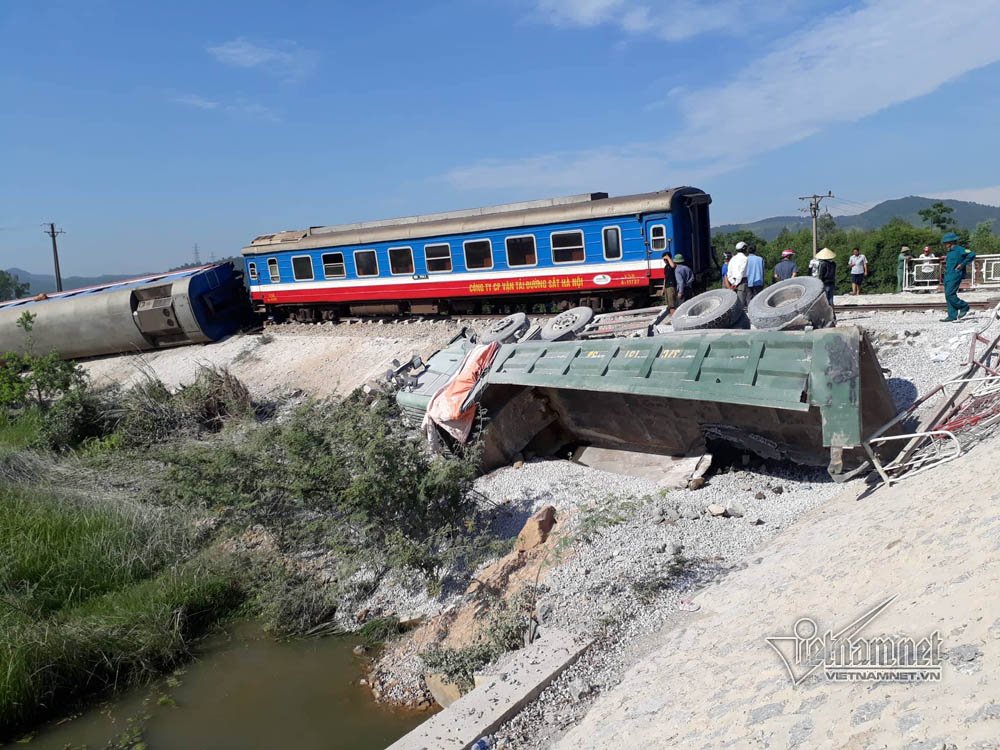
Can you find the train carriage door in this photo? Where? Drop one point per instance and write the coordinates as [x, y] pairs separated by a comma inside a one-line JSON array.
[[699, 231], [656, 244]]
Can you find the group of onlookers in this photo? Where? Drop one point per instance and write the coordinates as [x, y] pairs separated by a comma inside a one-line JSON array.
[[743, 272]]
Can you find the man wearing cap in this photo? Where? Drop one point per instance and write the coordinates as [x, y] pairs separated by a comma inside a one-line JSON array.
[[736, 273], [826, 271], [683, 275], [785, 268], [954, 271], [904, 254]]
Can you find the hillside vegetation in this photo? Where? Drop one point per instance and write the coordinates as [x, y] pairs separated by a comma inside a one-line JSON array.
[[967, 215]]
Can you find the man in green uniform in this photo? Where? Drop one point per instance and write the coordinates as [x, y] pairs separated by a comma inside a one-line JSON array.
[[904, 253], [954, 271]]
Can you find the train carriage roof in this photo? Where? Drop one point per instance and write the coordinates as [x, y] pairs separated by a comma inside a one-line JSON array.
[[511, 215]]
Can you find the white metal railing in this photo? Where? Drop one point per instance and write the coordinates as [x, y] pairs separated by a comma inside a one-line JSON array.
[[925, 274]]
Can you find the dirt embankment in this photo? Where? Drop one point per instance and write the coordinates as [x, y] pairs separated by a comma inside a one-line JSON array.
[[319, 360]]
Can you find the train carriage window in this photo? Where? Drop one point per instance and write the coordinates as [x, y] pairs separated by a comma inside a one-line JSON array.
[[272, 270], [252, 270], [400, 260], [333, 266], [478, 254], [612, 237], [567, 247], [658, 238], [438, 258], [521, 251], [302, 268], [366, 263]]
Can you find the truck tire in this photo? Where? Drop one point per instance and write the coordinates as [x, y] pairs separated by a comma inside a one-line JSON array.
[[792, 303], [567, 324], [717, 308], [506, 330]]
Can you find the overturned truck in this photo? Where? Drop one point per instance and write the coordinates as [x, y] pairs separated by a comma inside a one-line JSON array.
[[810, 396]]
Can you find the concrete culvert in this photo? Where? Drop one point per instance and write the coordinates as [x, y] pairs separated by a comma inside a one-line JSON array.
[[567, 324], [793, 303], [718, 308], [505, 330]]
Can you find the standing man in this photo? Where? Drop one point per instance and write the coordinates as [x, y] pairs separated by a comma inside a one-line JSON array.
[[858, 264], [928, 253], [826, 271], [669, 283], [684, 276], [755, 273], [954, 271], [904, 255], [725, 267], [736, 273], [786, 269]]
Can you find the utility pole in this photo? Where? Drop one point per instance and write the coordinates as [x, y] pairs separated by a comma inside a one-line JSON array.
[[52, 232], [197, 255], [814, 201]]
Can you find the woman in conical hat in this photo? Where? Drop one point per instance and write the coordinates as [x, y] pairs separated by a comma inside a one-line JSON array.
[[827, 272]]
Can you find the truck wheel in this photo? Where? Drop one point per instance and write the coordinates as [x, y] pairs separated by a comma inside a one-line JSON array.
[[567, 324], [505, 330], [717, 308], [793, 303]]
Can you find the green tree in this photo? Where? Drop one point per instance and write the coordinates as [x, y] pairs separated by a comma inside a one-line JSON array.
[[983, 240], [11, 287], [938, 215]]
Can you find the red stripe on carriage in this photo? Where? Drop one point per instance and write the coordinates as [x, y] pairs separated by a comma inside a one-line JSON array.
[[456, 287]]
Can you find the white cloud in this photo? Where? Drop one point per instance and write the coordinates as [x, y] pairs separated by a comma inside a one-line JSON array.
[[845, 67], [673, 21], [989, 196], [239, 107], [286, 60], [193, 100]]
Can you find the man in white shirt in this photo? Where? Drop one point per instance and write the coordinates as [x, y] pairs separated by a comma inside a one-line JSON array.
[[858, 264], [736, 272]]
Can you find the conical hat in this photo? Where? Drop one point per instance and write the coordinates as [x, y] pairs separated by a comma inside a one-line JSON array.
[[826, 254]]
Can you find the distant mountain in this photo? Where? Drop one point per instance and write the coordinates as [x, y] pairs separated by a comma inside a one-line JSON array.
[[966, 214], [46, 282]]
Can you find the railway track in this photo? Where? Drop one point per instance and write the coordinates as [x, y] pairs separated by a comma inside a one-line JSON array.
[[921, 306], [623, 324]]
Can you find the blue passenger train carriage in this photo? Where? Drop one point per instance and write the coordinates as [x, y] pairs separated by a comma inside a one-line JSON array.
[[584, 249]]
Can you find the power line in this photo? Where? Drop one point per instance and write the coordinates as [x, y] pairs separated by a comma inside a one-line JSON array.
[[197, 255], [52, 232], [814, 201]]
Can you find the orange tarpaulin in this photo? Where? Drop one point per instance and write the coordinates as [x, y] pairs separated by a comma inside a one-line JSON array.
[[445, 408]]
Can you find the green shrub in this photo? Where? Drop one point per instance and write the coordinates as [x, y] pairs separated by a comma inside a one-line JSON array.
[[81, 415], [345, 474]]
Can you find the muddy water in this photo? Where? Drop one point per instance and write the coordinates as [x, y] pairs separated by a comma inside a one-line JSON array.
[[246, 692]]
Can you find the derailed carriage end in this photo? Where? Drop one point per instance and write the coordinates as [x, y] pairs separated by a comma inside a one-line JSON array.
[[810, 397], [190, 306]]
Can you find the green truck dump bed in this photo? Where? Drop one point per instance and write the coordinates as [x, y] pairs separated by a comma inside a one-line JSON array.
[[808, 396]]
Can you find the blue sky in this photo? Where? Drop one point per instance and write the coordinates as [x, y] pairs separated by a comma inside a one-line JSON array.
[[142, 128]]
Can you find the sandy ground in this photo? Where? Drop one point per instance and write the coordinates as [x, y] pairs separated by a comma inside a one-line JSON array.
[[320, 360], [715, 682]]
